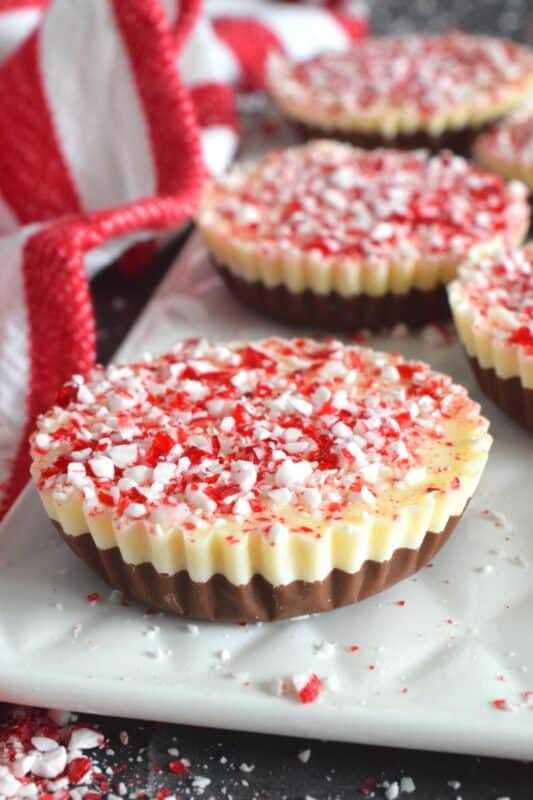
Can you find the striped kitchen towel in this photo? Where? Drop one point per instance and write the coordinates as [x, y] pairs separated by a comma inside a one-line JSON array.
[[111, 113]]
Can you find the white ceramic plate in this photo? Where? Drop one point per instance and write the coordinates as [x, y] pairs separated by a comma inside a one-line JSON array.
[[461, 639]]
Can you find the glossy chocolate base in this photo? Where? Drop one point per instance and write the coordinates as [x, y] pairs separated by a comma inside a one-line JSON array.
[[337, 313], [459, 141], [508, 393], [258, 600]]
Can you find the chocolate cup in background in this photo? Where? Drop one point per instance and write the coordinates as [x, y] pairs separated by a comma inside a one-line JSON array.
[[509, 394], [337, 313], [459, 140], [257, 601]]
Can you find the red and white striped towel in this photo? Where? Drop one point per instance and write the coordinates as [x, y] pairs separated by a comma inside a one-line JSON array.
[[110, 113]]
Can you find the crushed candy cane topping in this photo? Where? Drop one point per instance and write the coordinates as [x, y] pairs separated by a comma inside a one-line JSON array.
[[243, 434], [428, 74], [333, 200], [499, 294], [40, 759]]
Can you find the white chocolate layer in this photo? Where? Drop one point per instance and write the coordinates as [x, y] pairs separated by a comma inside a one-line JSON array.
[[343, 545]]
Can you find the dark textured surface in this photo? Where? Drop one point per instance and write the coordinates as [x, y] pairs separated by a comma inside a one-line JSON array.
[[258, 600], [337, 313], [509, 394]]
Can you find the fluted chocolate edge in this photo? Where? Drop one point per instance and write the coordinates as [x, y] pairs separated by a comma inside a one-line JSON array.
[[337, 313], [258, 600], [508, 393], [459, 140]]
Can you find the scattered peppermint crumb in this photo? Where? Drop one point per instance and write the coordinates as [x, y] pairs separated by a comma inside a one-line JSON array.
[[308, 687], [454, 785], [498, 518], [200, 782], [392, 791], [304, 756], [157, 654], [194, 630], [178, 767], [325, 648], [224, 655], [247, 767], [173, 751], [407, 785], [487, 569]]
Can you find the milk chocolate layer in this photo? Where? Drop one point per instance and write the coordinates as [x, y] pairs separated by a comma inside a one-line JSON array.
[[508, 393], [337, 313], [258, 600], [459, 141]]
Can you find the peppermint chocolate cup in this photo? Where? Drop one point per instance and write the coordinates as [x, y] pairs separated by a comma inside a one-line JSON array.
[[217, 599], [404, 91], [257, 481], [327, 235]]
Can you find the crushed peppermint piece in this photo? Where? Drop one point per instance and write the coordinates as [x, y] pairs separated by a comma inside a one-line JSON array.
[[407, 785], [304, 756], [325, 648], [178, 767], [308, 687], [224, 655], [392, 791], [200, 782], [85, 739]]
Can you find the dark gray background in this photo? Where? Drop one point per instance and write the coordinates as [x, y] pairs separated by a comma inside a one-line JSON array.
[[513, 18]]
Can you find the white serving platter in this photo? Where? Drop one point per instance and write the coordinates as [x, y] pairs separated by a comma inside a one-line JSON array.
[[461, 640]]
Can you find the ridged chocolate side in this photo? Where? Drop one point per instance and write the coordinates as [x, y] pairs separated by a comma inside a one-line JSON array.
[[337, 313], [258, 600], [459, 141], [508, 393]]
